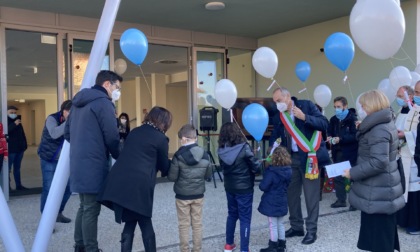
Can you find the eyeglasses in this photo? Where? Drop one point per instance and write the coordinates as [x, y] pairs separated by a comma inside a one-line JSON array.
[[118, 86]]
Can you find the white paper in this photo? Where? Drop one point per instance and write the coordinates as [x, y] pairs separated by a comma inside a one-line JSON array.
[[337, 169]]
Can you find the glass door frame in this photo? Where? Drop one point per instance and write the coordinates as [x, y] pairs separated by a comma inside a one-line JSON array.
[[194, 89]]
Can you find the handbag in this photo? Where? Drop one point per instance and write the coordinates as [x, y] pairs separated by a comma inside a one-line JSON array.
[[401, 171]]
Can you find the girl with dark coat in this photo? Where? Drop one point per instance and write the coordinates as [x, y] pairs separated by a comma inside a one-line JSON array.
[[239, 167], [274, 199], [130, 185]]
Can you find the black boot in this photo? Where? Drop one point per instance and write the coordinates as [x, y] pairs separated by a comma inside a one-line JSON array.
[[281, 246], [149, 244], [126, 242], [272, 247], [79, 248]]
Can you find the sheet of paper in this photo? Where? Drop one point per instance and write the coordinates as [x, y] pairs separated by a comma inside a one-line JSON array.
[[337, 169]]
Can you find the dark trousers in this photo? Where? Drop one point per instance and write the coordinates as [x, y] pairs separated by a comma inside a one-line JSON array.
[[147, 231], [15, 159], [340, 181], [311, 191], [239, 207], [86, 224]]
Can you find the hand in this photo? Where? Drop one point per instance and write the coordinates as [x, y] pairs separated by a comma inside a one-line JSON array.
[[17, 122], [298, 113], [357, 124], [401, 134], [328, 140], [346, 173]]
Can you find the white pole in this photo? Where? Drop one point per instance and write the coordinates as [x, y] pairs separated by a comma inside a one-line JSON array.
[[8, 231], [62, 172]]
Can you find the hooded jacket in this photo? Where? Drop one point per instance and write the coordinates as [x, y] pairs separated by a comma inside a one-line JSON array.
[[190, 167], [274, 185], [92, 131], [239, 167], [377, 185]]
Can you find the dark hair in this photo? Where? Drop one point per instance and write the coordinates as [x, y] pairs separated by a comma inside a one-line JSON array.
[[230, 135], [342, 99], [66, 105], [127, 125], [106, 75], [187, 131], [281, 157], [160, 117]]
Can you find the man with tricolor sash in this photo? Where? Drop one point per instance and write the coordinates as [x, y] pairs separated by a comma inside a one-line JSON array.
[[300, 127]]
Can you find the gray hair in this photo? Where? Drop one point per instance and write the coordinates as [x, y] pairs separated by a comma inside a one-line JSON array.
[[283, 91]]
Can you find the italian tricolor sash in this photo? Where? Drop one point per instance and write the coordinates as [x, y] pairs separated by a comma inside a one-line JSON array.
[[309, 147]]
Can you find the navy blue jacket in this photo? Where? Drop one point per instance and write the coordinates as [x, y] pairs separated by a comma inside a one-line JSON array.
[[274, 185], [93, 134], [346, 131], [314, 121]]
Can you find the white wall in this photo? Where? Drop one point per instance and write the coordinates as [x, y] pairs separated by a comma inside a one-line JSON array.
[[304, 44]]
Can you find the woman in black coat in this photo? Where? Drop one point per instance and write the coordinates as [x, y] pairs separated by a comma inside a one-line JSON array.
[[131, 182]]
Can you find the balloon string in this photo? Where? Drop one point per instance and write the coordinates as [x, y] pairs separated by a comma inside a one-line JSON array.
[[147, 84], [307, 93], [239, 128], [408, 56], [351, 93], [272, 83]]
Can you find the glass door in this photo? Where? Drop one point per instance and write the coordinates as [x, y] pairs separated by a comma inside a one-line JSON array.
[[79, 48]]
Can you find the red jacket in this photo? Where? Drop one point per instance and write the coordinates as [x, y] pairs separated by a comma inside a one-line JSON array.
[[3, 142]]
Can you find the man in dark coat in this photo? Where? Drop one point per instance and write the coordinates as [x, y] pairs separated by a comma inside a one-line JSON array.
[[308, 119], [342, 137], [92, 132], [17, 144]]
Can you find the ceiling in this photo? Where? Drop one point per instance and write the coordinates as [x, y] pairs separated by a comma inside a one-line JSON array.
[[248, 18]]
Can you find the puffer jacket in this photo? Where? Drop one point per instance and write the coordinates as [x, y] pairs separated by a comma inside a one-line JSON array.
[[239, 167], [190, 167], [377, 185]]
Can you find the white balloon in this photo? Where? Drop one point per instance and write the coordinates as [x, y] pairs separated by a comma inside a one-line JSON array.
[[322, 95], [358, 105], [265, 62], [225, 93], [400, 76], [417, 69], [120, 66], [377, 27], [415, 77], [385, 86]]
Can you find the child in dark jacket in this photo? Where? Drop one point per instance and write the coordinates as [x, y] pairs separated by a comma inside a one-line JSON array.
[[274, 199], [190, 167], [239, 168]]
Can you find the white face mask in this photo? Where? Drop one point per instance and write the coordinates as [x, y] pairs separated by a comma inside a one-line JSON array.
[[116, 95], [123, 121], [361, 113], [281, 106], [12, 116]]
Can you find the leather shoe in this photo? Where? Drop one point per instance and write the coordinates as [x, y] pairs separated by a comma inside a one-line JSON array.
[[291, 233], [338, 204], [63, 219], [309, 238]]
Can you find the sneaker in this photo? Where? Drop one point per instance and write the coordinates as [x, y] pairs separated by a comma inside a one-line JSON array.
[[412, 231], [352, 208], [230, 247], [338, 204], [62, 219]]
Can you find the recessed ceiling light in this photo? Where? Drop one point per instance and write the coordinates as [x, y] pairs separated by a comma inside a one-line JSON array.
[[215, 6]]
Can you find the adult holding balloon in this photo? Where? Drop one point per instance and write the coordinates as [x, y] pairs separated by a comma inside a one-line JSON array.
[[299, 128]]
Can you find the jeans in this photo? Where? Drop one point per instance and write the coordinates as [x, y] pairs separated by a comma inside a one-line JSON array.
[[86, 224], [48, 170], [15, 159], [190, 213], [239, 207]]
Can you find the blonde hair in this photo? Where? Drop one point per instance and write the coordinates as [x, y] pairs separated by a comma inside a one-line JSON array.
[[374, 100]]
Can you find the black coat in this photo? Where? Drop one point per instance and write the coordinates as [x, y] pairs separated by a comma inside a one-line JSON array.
[[17, 139], [274, 185], [346, 131], [131, 181]]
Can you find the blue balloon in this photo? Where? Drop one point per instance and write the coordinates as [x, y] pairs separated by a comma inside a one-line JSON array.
[[339, 49], [303, 70], [255, 120], [134, 45]]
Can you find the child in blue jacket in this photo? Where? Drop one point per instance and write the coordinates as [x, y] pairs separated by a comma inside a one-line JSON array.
[[274, 199]]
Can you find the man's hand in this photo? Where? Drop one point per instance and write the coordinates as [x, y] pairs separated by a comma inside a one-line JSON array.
[[298, 113], [401, 134], [17, 122], [346, 173]]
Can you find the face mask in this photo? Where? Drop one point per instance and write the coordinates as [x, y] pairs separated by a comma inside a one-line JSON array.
[[123, 121], [417, 100], [12, 116], [116, 95], [341, 114], [362, 113], [401, 102], [281, 106]]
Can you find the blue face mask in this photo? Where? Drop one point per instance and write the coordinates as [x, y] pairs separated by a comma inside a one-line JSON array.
[[417, 100], [341, 114], [401, 102]]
